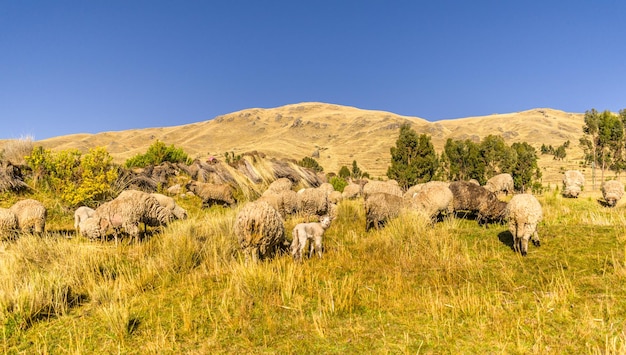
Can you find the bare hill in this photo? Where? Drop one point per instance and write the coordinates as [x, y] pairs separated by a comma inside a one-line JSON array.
[[340, 134]]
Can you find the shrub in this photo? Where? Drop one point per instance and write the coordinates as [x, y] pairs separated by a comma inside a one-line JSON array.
[[308, 162], [158, 153]]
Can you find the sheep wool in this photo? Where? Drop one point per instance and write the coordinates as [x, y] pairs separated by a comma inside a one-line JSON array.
[[260, 230], [31, 216], [389, 187], [81, 214], [433, 200], [524, 214], [313, 201], [477, 199], [279, 185], [351, 191], [612, 192], [212, 194], [170, 204], [285, 201], [8, 224], [573, 182], [380, 207], [501, 183]]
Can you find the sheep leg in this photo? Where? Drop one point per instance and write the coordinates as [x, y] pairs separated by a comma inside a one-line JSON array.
[[524, 242], [318, 245], [535, 239]]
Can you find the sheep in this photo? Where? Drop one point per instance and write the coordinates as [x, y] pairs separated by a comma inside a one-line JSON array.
[[389, 187], [212, 194], [612, 191], [573, 182], [81, 214], [380, 207], [500, 183], [312, 232], [335, 197], [351, 191], [433, 200], [413, 190], [327, 187], [477, 199], [524, 213], [91, 228], [31, 216], [260, 230], [285, 201], [8, 224], [313, 201], [279, 185], [169, 203], [127, 211]]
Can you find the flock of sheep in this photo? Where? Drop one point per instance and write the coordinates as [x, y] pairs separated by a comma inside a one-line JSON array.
[[260, 228]]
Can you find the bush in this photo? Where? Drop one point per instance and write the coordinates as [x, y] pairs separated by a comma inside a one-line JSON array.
[[308, 162], [338, 182], [158, 153]]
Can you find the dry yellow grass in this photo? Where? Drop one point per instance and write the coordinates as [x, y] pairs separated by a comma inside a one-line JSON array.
[[340, 133]]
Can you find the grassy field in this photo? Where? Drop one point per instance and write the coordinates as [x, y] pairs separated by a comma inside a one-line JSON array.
[[410, 288]]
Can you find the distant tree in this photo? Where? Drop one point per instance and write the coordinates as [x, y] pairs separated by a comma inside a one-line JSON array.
[[497, 155], [560, 153], [526, 169], [463, 160], [603, 140], [356, 171], [413, 159], [311, 163], [344, 172]]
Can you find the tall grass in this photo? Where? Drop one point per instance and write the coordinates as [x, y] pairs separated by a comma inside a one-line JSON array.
[[412, 287]]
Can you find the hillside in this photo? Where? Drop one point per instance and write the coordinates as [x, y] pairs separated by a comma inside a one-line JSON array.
[[341, 134]]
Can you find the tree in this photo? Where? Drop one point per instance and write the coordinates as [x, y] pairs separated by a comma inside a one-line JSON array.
[[344, 172], [356, 171], [413, 159], [463, 160], [311, 163], [526, 168], [156, 154], [603, 140], [497, 155]]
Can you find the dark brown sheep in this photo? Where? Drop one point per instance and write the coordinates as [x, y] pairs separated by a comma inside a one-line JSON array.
[[469, 197]]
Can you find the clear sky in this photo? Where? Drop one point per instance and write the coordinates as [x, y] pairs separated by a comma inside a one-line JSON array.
[[107, 65]]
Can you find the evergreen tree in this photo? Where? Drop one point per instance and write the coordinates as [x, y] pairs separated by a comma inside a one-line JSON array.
[[526, 168], [413, 159]]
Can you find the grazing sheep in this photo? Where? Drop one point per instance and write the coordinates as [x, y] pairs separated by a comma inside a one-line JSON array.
[[380, 207], [260, 230], [335, 197], [524, 213], [284, 201], [413, 190], [212, 194], [500, 183], [312, 232], [126, 211], [31, 216], [8, 224], [351, 191], [90, 228], [81, 214], [279, 185], [477, 199], [612, 191], [389, 187], [433, 200], [327, 187], [169, 203], [313, 201], [573, 182]]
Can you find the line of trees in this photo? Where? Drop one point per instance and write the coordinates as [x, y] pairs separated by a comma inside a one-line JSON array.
[[604, 141], [414, 160]]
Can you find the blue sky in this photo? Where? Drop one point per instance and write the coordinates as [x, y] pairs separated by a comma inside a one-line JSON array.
[[92, 66]]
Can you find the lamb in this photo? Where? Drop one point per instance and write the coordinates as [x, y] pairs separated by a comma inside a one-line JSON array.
[[260, 230], [212, 194], [380, 207], [8, 224], [612, 191], [573, 182], [500, 183], [477, 199], [312, 232], [524, 214], [31, 216], [433, 200], [126, 211], [81, 214]]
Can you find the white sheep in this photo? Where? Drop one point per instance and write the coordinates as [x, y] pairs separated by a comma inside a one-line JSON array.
[[170, 204], [573, 182], [260, 230], [433, 200], [500, 183], [81, 214], [612, 191], [524, 214], [31, 215], [311, 232]]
